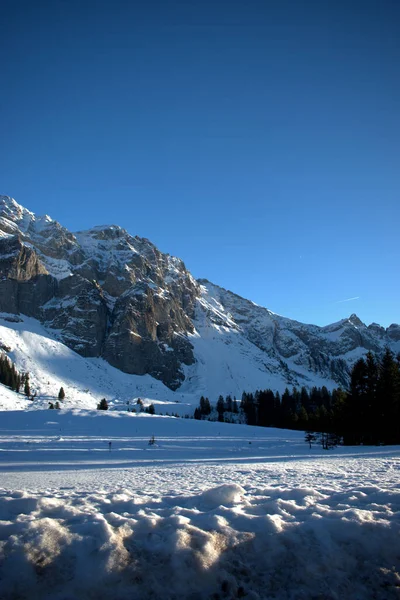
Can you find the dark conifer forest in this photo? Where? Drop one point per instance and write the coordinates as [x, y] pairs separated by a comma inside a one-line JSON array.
[[10, 377], [368, 412]]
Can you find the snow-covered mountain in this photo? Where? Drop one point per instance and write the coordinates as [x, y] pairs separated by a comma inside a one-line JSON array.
[[106, 295]]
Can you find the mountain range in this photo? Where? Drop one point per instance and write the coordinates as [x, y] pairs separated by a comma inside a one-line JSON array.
[[108, 296]]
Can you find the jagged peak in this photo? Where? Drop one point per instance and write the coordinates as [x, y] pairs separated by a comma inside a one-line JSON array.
[[11, 203], [102, 228], [376, 326], [103, 232], [355, 320], [24, 219], [10, 209]]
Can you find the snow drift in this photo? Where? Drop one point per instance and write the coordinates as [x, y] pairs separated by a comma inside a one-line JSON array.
[[204, 515]]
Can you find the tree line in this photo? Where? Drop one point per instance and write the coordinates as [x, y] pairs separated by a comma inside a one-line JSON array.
[[368, 412], [16, 381], [12, 378]]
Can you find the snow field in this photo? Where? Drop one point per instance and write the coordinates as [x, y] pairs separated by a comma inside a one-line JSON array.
[[202, 515]]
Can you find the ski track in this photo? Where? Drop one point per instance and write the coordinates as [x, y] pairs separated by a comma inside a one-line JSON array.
[[211, 511]]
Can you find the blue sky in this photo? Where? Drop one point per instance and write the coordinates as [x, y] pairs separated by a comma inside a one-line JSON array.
[[256, 140]]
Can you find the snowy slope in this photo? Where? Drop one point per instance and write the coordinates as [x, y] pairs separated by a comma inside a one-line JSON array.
[[229, 361], [293, 353], [111, 296], [52, 365], [226, 363]]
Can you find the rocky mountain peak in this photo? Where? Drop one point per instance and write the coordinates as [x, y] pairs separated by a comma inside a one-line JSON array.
[[393, 332], [105, 232], [105, 292], [356, 321], [110, 294], [14, 218]]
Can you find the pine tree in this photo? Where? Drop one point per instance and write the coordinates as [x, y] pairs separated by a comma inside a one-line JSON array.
[[205, 406], [249, 409], [389, 398], [371, 404], [356, 403], [13, 379], [9, 375], [303, 417], [27, 388], [305, 398], [339, 398], [267, 416], [220, 408], [102, 405], [288, 408]]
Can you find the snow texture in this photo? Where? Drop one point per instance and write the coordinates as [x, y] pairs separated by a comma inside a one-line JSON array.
[[210, 510]]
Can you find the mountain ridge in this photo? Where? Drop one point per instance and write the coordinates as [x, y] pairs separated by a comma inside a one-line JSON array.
[[107, 294]]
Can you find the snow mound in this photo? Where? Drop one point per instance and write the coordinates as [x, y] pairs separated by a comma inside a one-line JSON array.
[[280, 544], [223, 495]]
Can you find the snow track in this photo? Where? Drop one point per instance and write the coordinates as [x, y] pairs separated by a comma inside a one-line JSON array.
[[202, 515]]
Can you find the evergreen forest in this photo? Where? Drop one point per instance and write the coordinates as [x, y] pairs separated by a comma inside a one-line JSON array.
[[368, 412]]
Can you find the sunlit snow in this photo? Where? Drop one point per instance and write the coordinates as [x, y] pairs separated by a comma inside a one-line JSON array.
[[210, 510]]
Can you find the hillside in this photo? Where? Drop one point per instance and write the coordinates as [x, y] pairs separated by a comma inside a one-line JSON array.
[[127, 320]]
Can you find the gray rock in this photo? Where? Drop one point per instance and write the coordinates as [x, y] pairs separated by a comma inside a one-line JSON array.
[[109, 294]]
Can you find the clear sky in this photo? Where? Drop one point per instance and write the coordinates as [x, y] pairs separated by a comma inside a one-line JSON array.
[[257, 140]]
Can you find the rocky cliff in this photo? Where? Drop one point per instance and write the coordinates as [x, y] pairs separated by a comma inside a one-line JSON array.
[[108, 294], [105, 292]]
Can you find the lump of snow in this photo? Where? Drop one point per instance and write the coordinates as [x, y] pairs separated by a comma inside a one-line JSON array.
[[223, 495]]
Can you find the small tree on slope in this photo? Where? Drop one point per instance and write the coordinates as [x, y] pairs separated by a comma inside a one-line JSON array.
[[102, 405], [27, 388]]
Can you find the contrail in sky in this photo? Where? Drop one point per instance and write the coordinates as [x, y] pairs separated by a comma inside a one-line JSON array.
[[347, 299]]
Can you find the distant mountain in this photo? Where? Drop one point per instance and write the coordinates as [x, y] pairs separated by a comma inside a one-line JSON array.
[[104, 293]]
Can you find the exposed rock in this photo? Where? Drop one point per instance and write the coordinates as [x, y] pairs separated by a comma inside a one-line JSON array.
[[79, 311], [147, 335], [105, 292], [19, 261], [393, 332], [109, 294]]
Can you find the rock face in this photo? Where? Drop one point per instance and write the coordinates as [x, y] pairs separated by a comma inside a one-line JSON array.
[[112, 295], [105, 292]]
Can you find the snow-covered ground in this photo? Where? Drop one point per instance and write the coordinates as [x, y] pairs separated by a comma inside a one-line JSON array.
[[209, 511]]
